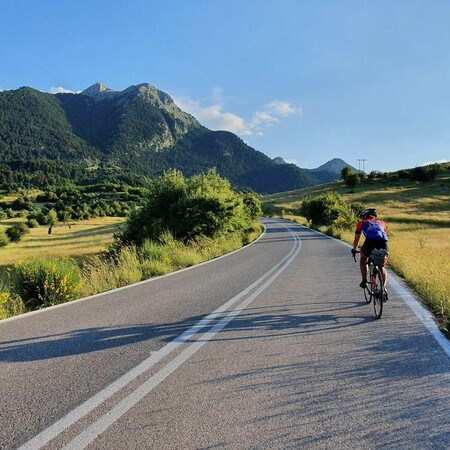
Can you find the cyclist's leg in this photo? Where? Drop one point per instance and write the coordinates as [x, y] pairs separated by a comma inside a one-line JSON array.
[[384, 271], [363, 266], [365, 251]]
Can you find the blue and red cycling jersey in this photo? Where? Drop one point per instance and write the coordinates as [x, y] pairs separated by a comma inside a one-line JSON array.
[[372, 229]]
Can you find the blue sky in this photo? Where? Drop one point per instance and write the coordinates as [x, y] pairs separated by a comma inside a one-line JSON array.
[[307, 80]]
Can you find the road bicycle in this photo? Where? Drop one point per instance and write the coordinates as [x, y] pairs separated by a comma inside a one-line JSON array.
[[374, 289]]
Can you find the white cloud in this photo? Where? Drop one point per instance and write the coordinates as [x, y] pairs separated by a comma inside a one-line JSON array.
[[282, 109], [60, 90], [216, 118], [292, 161]]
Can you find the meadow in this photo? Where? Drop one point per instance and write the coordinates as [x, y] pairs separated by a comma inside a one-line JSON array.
[[418, 219], [77, 239]]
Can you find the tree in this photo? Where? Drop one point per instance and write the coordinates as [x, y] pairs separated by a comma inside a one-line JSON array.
[[52, 219], [353, 179], [345, 172], [204, 205]]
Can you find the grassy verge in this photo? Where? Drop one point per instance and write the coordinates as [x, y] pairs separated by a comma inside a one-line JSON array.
[[130, 265]]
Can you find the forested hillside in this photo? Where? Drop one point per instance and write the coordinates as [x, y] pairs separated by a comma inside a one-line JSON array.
[[128, 136]]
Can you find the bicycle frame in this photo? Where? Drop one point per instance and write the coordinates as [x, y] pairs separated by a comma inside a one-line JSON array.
[[374, 289]]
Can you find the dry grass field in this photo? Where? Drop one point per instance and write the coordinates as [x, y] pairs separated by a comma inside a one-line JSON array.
[[82, 238]]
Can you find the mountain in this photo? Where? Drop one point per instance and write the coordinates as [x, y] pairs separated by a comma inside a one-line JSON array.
[[127, 136], [334, 166], [279, 160], [330, 171]]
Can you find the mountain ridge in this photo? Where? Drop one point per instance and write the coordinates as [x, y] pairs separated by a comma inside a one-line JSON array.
[[140, 131]]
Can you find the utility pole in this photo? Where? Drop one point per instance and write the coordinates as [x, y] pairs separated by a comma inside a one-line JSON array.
[[359, 165]]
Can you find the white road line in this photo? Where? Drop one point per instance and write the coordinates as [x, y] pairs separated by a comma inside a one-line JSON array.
[[425, 316], [112, 416], [65, 422]]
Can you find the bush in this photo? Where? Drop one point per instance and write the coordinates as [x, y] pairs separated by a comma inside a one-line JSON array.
[[252, 203], [269, 209], [357, 208], [204, 205], [32, 223], [46, 281], [10, 304], [330, 210], [424, 173], [3, 239], [353, 179], [16, 232], [346, 172]]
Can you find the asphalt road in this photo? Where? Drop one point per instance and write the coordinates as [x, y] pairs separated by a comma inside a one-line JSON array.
[[271, 347]]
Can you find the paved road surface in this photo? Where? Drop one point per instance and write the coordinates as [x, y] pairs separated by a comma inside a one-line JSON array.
[[270, 347]]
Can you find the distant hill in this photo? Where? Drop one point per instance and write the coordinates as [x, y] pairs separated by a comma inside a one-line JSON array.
[[129, 136], [334, 166]]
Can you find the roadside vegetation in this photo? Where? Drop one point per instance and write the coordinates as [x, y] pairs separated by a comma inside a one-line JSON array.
[[179, 222], [414, 203]]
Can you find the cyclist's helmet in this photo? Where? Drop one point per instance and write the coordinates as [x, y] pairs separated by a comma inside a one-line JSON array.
[[368, 212]]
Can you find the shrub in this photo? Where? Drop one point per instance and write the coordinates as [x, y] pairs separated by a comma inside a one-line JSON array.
[[32, 223], [10, 304], [3, 239], [269, 209], [424, 173], [46, 281], [16, 232], [5, 295], [345, 172], [204, 205], [357, 207], [252, 204], [330, 210], [353, 179], [10, 213]]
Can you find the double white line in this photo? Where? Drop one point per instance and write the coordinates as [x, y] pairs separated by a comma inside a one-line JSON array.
[[105, 421]]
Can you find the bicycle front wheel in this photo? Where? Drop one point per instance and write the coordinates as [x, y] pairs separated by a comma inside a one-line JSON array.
[[378, 295]]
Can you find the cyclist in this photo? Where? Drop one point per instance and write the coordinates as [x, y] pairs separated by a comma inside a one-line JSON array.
[[376, 236]]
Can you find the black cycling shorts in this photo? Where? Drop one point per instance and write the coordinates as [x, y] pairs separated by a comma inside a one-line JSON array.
[[370, 244]]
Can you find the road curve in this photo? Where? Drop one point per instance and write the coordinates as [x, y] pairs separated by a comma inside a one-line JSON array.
[[272, 346]]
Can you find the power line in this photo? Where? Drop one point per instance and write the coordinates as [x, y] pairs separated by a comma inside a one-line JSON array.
[[363, 165]]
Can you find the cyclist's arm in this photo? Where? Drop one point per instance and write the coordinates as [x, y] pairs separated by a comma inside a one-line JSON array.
[[357, 235]]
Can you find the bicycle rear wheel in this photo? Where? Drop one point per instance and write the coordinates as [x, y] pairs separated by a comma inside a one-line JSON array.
[[378, 295]]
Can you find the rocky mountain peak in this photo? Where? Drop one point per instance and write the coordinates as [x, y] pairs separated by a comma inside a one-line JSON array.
[[96, 90]]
